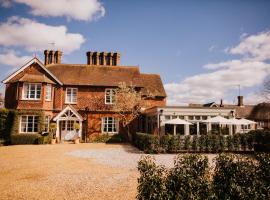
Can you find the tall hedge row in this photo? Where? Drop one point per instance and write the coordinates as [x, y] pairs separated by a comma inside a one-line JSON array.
[[204, 143], [234, 177]]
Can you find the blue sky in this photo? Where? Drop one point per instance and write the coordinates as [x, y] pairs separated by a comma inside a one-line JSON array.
[[176, 39]]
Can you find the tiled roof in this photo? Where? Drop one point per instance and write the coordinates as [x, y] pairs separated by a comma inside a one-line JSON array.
[[35, 78], [93, 75]]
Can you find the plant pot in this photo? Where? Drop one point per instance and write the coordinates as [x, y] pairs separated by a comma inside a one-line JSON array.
[[77, 141], [53, 141]]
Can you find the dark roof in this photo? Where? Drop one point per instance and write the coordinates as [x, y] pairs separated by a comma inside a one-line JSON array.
[[93, 75], [261, 112]]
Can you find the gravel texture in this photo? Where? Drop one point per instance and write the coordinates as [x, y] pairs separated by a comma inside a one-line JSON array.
[[69, 171]]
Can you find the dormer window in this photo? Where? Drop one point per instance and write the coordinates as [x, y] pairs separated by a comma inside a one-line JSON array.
[[31, 91], [110, 96], [71, 95]]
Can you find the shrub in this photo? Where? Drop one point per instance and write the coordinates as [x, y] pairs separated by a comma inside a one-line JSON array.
[[229, 143], [188, 178], [175, 144], [236, 142], [213, 143], [147, 142], [25, 138], [234, 178], [202, 142], [116, 138], [165, 142], [151, 184], [222, 143], [187, 142], [194, 143], [102, 138]]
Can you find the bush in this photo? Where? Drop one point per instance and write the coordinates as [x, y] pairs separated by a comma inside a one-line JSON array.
[[102, 138], [187, 142], [188, 178], [147, 142], [151, 184], [194, 143], [116, 138], [25, 138]]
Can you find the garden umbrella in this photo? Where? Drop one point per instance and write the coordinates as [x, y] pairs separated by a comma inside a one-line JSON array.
[[246, 121], [217, 120], [175, 122], [234, 121]]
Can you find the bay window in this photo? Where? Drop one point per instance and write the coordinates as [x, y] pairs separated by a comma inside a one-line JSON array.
[[109, 125], [29, 124], [31, 91], [71, 95]]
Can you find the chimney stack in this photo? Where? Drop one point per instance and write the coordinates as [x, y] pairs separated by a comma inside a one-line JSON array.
[[103, 58], [240, 101], [221, 103], [52, 57]]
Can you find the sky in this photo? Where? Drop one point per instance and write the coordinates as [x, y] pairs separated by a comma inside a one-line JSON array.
[[203, 50]]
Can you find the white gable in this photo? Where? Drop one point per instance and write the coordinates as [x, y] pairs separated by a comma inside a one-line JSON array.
[[68, 113]]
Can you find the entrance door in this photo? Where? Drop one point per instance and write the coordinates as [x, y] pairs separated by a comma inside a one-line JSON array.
[[67, 130]]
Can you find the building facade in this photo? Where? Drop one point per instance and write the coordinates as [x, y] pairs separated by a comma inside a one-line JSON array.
[[76, 93]]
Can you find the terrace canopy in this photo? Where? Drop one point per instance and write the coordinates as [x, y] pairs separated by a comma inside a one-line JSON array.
[[175, 122], [217, 120]]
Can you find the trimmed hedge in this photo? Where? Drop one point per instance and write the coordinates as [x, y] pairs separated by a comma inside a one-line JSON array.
[[106, 138], [234, 177], [147, 143], [25, 138], [260, 140]]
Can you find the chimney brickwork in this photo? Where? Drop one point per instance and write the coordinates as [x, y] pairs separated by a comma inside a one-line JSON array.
[[52, 57], [240, 101], [103, 58]]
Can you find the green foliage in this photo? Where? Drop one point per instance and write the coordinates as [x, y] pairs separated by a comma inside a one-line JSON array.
[[25, 138], [107, 138], [151, 181], [6, 124], [188, 178], [234, 177], [194, 143], [187, 142], [116, 138], [147, 142]]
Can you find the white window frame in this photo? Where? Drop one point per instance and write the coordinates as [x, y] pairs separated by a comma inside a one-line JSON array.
[[29, 91], [72, 100], [110, 96], [48, 92], [114, 121], [27, 121], [47, 123]]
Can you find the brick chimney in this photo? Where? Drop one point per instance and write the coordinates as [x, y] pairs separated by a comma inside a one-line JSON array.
[[103, 58], [221, 103], [240, 101], [52, 57]]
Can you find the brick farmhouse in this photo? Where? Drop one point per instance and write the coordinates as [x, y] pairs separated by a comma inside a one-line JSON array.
[[76, 93]]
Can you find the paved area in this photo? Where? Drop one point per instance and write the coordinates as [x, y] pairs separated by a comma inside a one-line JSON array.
[[69, 171]]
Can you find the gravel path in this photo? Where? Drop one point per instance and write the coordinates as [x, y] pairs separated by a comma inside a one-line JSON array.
[[122, 157]]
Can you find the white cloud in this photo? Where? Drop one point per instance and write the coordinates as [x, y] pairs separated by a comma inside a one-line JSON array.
[[12, 59], [35, 36], [255, 47], [86, 10], [249, 71]]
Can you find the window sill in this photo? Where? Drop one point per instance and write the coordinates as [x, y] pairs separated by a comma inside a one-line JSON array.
[[73, 103], [30, 99]]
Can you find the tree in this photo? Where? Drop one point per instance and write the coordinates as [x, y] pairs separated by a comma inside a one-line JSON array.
[[128, 103], [266, 90]]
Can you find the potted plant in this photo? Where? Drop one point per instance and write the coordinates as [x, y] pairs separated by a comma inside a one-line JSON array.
[[52, 130], [77, 128]]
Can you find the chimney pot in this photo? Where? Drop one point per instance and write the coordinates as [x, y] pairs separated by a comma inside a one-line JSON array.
[[240, 101]]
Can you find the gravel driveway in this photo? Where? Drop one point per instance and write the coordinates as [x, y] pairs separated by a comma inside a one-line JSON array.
[[68, 171]]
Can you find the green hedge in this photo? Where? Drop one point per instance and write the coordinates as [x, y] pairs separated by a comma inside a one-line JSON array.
[[147, 142], [25, 138], [107, 138], [260, 140], [234, 177]]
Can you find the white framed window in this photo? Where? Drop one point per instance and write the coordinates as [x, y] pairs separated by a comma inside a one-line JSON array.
[[71, 95], [48, 92], [47, 123], [109, 125], [29, 124], [31, 91], [110, 96]]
